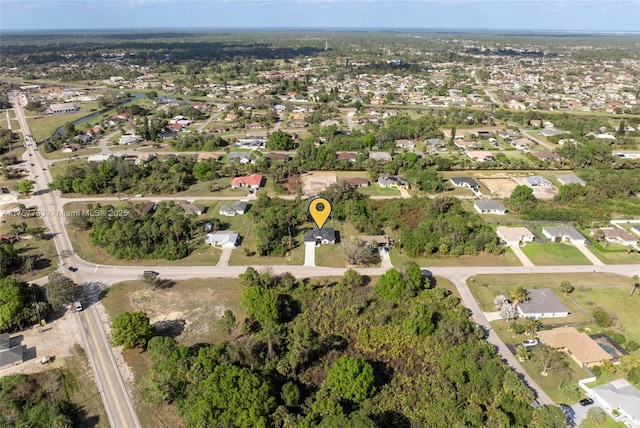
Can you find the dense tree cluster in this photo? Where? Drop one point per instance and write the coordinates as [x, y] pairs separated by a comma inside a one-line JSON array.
[[35, 401], [340, 355], [167, 233], [276, 224], [118, 175], [20, 305]]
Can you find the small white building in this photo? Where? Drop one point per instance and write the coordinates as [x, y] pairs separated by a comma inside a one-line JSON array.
[[62, 108], [226, 239], [99, 158], [564, 233], [489, 206], [514, 235]]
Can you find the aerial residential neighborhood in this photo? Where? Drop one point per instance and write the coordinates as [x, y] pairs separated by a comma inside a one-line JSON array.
[[165, 260]]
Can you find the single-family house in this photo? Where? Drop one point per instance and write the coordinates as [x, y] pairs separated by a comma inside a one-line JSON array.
[[349, 156], [252, 181], [271, 156], [392, 181], [406, 144], [582, 348], [357, 181], [522, 143], [241, 157], [489, 206], [507, 134], [619, 236], [380, 156], [542, 303], [564, 233], [514, 235], [324, 236], [547, 155], [566, 179], [329, 122], [480, 155], [146, 208], [190, 208], [231, 210], [538, 181], [620, 395], [251, 143], [225, 239], [435, 143], [466, 182]]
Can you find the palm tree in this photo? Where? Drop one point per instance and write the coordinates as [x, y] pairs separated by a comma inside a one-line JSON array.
[[532, 326], [523, 353], [596, 415], [519, 294]]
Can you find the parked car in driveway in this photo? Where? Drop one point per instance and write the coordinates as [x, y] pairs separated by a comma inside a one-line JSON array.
[[529, 343], [586, 402]]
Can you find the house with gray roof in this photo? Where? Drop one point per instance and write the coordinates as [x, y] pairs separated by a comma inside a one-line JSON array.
[[620, 395], [435, 142], [324, 236], [489, 206], [231, 210], [538, 181], [566, 179], [564, 233], [380, 156], [542, 303], [466, 182], [392, 181], [241, 157], [9, 355]]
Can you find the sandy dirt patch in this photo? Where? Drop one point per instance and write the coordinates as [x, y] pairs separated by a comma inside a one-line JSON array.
[[56, 339], [317, 182], [501, 187], [545, 192]]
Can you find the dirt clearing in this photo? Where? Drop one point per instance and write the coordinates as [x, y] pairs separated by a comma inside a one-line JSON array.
[[501, 187], [188, 311], [317, 182]]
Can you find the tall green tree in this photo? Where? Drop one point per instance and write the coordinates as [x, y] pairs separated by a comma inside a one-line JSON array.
[[61, 291], [12, 301], [351, 379], [131, 329]]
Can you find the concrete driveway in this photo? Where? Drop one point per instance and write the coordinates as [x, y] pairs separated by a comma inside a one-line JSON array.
[[309, 254]]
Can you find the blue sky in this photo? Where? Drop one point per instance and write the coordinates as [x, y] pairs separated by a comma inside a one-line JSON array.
[[567, 15]]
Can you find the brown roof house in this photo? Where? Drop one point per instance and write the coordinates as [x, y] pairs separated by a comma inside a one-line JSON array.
[[582, 348], [357, 181]]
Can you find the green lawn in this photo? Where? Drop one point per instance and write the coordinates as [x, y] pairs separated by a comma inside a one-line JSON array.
[[483, 259], [554, 253], [375, 190], [59, 154], [592, 290], [615, 254]]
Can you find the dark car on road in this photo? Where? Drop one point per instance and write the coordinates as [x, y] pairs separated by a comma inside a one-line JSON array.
[[586, 402], [73, 269]]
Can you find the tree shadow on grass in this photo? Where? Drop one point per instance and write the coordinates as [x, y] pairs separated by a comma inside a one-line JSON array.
[[169, 328]]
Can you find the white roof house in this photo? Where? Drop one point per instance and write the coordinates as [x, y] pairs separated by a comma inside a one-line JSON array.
[[227, 239], [538, 181], [514, 235], [622, 396], [62, 108]]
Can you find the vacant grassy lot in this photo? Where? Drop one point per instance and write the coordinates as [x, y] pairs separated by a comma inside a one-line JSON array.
[[482, 259], [615, 256], [554, 253], [375, 190], [59, 154], [592, 290]]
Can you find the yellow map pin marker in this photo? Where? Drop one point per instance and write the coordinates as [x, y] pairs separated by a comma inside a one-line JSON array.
[[320, 209]]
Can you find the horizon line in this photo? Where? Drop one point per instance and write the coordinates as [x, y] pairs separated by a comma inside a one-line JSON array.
[[327, 29]]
